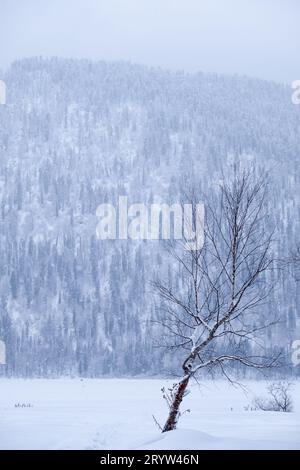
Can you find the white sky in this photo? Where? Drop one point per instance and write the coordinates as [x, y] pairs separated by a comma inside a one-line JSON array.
[[254, 37]]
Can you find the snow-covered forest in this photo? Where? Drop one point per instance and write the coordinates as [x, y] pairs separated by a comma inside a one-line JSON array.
[[75, 134]]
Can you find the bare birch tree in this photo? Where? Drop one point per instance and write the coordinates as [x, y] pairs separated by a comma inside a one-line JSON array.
[[217, 312]]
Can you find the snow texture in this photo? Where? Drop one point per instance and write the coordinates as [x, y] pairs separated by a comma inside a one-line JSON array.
[[117, 414]]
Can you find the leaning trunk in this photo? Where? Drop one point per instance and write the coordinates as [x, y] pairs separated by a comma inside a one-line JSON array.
[[175, 406]]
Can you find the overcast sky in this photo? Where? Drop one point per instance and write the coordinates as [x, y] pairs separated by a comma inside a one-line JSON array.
[[254, 37]]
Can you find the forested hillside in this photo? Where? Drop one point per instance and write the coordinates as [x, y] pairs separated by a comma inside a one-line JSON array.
[[75, 134]]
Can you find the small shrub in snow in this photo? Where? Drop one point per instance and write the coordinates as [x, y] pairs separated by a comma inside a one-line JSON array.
[[279, 398]]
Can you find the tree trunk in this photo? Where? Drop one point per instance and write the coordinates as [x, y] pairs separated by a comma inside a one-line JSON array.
[[174, 410]]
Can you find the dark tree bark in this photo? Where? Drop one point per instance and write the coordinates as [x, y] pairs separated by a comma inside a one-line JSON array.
[[175, 406]]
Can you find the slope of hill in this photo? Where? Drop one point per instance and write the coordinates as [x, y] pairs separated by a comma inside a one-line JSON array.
[[75, 134]]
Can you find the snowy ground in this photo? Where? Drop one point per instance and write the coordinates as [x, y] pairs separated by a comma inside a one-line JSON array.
[[117, 414]]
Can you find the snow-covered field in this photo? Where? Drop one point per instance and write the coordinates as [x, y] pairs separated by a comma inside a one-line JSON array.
[[117, 414]]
